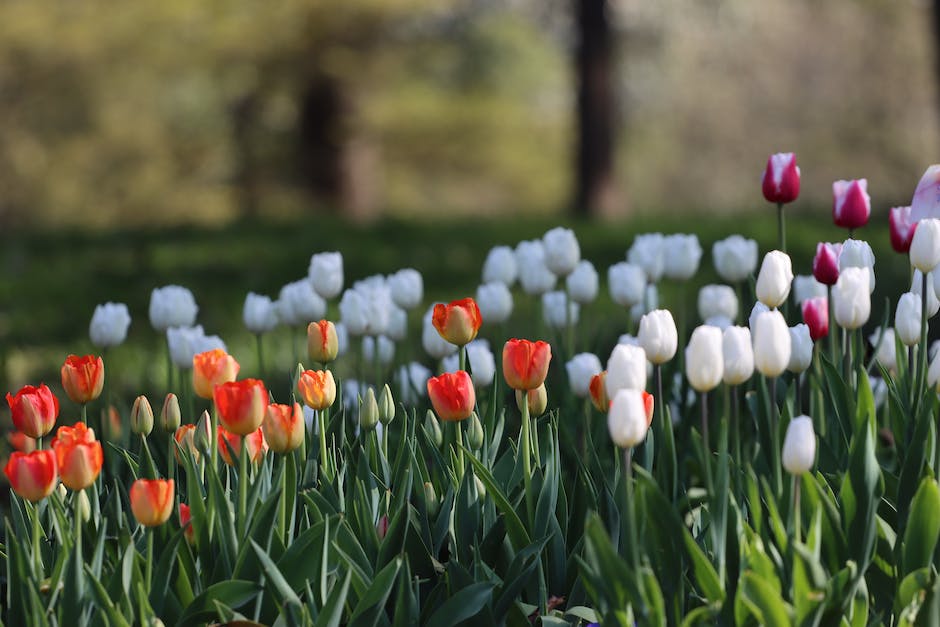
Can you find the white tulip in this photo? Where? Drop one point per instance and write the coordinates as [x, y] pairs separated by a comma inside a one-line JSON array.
[[582, 283], [738, 355], [406, 287], [658, 336], [704, 361], [717, 300], [649, 303], [681, 256], [799, 446], [885, 348], [925, 247], [326, 274], [626, 420], [647, 252], [771, 344], [907, 318], [774, 279], [857, 253], [917, 287], [553, 310], [581, 369], [805, 286], [482, 364], [933, 373], [186, 342], [720, 322], [109, 325], [758, 309], [397, 329], [626, 282], [500, 266], [562, 252], [413, 382], [384, 346], [377, 303], [495, 302], [801, 349], [626, 369], [259, 313], [298, 304], [172, 306], [342, 338], [851, 298], [735, 258], [534, 275]]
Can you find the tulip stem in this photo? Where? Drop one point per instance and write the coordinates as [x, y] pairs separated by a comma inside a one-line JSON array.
[[526, 458], [148, 531], [282, 506], [259, 344], [922, 372], [214, 436], [323, 416], [781, 227], [630, 542], [706, 448], [775, 435], [37, 555], [796, 507], [242, 486], [460, 459]]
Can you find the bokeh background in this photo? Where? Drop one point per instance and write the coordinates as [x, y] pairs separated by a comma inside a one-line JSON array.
[[219, 144]]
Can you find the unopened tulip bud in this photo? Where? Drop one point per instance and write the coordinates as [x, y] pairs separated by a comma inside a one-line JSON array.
[[475, 432], [907, 319], [658, 336], [430, 499], [925, 247], [799, 446], [369, 411], [851, 298], [772, 344], [626, 420], [386, 405], [738, 355], [83, 506], [704, 361], [170, 417], [433, 428], [774, 279], [537, 400], [142, 416], [201, 438], [322, 341], [481, 489], [801, 349]]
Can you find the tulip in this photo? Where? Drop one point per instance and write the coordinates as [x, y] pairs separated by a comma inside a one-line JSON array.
[[907, 320], [816, 317], [799, 446], [187, 524], [562, 252], [298, 304], [317, 388], [378, 348], [806, 287], [172, 306], [851, 298], [649, 404], [704, 362], [598, 390], [826, 262], [737, 355], [34, 410], [255, 443], [152, 501], [452, 395], [241, 405], [213, 368], [581, 369], [500, 267], [858, 254], [926, 202], [386, 404], [626, 369], [475, 434], [553, 310], [322, 341], [773, 281], [407, 288], [186, 342], [780, 182], [21, 442], [283, 427], [801, 349], [457, 322], [758, 309], [525, 363], [933, 374], [648, 303], [626, 419], [772, 345], [413, 381], [885, 348], [170, 415], [627, 283], [142, 416], [83, 378], [717, 300], [186, 436], [534, 275], [109, 325], [901, 228], [326, 274], [681, 256], [32, 475], [481, 360], [851, 204], [259, 313], [917, 287], [79, 456], [397, 329], [925, 246], [495, 302], [435, 345], [536, 399], [735, 258], [647, 252], [368, 411], [658, 336], [582, 283]]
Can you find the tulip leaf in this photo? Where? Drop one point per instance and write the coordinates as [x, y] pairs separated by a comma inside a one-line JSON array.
[[517, 576], [332, 612], [763, 600], [275, 579], [923, 527], [463, 605], [517, 532], [371, 607], [233, 593], [104, 601]]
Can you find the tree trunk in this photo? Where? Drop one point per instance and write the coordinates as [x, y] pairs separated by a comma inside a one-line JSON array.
[[595, 191]]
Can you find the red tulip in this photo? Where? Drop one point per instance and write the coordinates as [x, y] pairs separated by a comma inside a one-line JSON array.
[[598, 389], [781, 180], [816, 316], [83, 378], [851, 204], [457, 322], [186, 523], [283, 427], [152, 501], [902, 229], [32, 475], [452, 395], [525, 363], [78, 456], [241, 405], [648, 405], [317, 388], [826, 263], [21, 442], [34, 410], [256, 444], [186, 437], [213, 368]]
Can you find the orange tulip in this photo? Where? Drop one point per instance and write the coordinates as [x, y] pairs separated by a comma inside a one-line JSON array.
[[525, 363], [256, 444], [283, 427], [152, 501], [32, 475], [78, 455], [186, 437], [83, 378], [21, 442], [34, 410], [241, 405], [458, 321], [322, 341], [213, 368], [186, 522], [452, 395], [648, 405], [317, 388], [598, 389]]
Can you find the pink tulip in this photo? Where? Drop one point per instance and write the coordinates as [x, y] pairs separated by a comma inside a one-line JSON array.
[[926, 201], [851, 204], [816, 316], [826, 263], [781, 179], [902, 229]]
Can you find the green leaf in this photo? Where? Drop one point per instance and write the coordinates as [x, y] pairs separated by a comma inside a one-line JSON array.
[[274, 577], [764, 601], [923, 527], [332, 612], [233, 593], [371, 606], [705, 574], [517, 533], [463, 605], [104, 601]]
